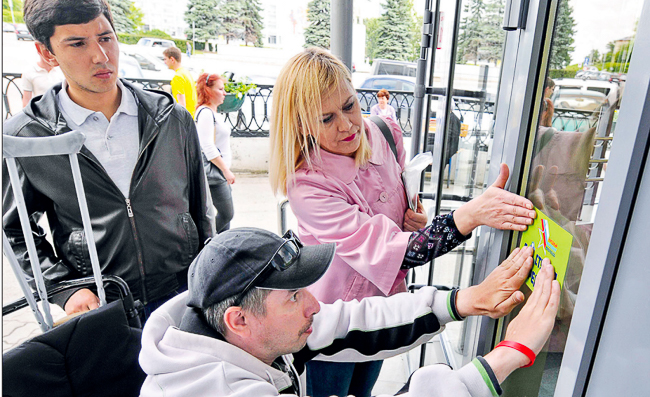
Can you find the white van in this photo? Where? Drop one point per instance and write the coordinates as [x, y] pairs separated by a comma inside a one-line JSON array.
[[399, 68], [155, 46]]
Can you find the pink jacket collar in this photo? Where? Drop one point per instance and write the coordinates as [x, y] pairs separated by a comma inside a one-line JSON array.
[[344, 167]]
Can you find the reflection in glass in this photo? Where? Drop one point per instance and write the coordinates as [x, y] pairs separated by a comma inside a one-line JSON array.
[[476, 62], [573, 138]]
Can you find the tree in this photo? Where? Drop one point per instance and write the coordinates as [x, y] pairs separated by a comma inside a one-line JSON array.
[[127, 18], [416, 36], [469, 39], [594, 57], [229, 14], [252, 21], [135, 16], [481, 36], [203, 14], [395, 30], [18, 11], [372, 36], [492, 33], [318, 32], [562, 45]]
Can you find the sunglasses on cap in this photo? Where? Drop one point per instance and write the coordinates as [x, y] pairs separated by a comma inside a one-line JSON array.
[[285, 256]]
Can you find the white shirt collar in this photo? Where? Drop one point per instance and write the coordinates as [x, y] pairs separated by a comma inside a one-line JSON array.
[[79, 114]]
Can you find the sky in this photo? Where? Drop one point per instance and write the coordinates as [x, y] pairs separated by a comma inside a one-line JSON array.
[[600, 21]]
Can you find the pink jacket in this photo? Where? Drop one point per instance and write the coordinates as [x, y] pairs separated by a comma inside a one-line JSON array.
[[362, 211]]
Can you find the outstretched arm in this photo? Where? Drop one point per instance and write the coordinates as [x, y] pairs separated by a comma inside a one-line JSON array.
[[499, 293], [497, 208], [483, 376]]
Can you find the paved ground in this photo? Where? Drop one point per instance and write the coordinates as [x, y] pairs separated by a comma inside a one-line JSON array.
[[255, 205]]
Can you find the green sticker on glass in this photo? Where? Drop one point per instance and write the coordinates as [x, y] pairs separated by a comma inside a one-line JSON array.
[[550, 241]]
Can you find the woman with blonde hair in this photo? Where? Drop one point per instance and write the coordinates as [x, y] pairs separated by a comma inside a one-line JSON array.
[[344, 186], [214, 137]]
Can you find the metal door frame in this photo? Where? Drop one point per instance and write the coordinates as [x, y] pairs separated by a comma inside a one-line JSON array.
[[619, 195]]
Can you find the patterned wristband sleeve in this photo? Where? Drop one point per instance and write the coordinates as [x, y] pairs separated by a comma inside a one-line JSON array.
[[440, 237]]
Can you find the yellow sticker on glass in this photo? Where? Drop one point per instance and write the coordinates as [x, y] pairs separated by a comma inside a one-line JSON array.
[[550, 241]]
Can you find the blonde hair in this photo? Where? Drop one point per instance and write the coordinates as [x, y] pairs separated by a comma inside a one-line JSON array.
[[297, 109]]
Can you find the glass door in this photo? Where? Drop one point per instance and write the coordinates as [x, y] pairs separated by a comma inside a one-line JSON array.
[[579, 89], [474, 63]]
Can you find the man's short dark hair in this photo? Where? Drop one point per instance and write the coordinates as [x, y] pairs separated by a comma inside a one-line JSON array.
[[173, 52], [43, 16]]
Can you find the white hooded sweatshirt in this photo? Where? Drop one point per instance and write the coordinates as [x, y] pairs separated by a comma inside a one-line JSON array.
[[180, 363]]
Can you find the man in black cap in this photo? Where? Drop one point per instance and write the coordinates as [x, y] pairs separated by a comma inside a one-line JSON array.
[[247, 325]]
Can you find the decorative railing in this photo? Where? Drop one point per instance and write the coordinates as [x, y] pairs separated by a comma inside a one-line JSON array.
[[252, 120], [574, 120]]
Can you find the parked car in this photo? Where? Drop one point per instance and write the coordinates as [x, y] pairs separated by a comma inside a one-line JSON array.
[[7, 27], [604, 87], [129, 68], [398, 68], [22, 33], [390, 83], [402, 103], [155, 46], [577, 99], [152, 67]]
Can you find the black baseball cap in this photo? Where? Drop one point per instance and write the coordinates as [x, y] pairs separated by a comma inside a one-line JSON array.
[[234, 258]]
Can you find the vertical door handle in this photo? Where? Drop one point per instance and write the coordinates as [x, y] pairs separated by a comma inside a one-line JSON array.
[[516, 14]]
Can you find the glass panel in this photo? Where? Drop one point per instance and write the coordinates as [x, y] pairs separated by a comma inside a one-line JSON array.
[[476, 61], [572, 141]]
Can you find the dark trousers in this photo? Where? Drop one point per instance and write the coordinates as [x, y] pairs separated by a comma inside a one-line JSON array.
[[155, 304], [222, 200], [326, 379]]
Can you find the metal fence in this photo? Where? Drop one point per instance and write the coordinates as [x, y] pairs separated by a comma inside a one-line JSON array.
[[252, 120]]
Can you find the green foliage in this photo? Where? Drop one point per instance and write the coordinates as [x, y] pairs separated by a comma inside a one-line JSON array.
[[562, 44], [594, 57], [203, 13], [157, 33], [135, 16], [18, 11], [416, 36], [252, 22], [18, 16], [372, 36], [239, 88], [561, 73], [128, 38], [127, 18], [229, 14], [317, 33], [481, 36], [395, 31]]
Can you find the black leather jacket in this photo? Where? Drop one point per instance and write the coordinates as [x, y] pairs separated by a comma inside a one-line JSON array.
[[146, 239]]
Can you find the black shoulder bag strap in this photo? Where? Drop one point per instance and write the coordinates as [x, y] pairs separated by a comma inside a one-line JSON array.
[[214, 120], [387, 134]]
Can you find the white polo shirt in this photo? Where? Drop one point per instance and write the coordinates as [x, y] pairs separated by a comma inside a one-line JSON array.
[[114, 143], [38, 80]]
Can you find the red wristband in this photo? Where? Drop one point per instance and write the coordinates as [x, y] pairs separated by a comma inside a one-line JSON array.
[[520, 348]]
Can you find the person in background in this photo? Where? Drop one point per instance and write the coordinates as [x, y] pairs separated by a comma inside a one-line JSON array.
[[247, 326], [38, 78], [344, 186], [183, 86], [546, 119], [140, 164], [188, 49], [214, 136], [382, 108]]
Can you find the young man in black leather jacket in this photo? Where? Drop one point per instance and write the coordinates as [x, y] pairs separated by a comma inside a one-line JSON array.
[[140, 165]]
